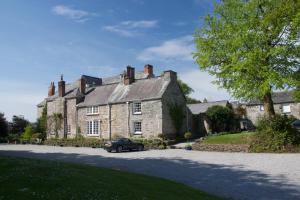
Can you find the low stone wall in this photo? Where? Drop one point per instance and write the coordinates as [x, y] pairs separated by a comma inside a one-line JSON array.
[[221, 147]]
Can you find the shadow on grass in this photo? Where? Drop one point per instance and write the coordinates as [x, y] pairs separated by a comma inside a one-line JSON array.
[[222, 180]]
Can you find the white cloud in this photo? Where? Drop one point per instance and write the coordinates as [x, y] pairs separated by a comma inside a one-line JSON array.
[[203, 87], [71, 13], [178, 49], [131, 28], [21, 98]]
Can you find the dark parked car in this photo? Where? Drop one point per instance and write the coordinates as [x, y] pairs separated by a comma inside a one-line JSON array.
[[123, 144], [296, 124]]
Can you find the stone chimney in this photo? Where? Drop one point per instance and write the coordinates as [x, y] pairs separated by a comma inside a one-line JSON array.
[[61, 87], [170, 75], [148, 70], [82, 85], [51, 89], [129, 75]]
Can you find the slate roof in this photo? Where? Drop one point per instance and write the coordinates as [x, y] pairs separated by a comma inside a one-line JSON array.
[[199, 108], [277, 97], [142, 89], [112, 90]]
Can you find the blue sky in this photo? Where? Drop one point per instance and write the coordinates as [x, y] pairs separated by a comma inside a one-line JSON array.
[[42, 39]]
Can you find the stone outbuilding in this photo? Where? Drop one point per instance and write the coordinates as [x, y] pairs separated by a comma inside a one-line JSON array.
[[129, 104], [284, 104]]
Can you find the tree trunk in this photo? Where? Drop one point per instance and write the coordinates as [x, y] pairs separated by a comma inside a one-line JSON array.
[[268, 105]]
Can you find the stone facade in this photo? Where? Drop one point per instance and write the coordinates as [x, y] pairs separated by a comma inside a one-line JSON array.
[[114, 103], [254, 112]]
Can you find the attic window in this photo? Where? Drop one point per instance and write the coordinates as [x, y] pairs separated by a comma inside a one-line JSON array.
[[92, 110], [137, 108]]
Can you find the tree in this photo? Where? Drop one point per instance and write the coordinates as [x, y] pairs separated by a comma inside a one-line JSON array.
[[187, 90], [41, 124], [251, 47], [3, 126], [221, 118], [28, 132], [18, 125], [205, 100]]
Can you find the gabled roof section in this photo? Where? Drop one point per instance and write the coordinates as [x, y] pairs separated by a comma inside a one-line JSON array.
[[278, 98], [143, 89], [199, 108]]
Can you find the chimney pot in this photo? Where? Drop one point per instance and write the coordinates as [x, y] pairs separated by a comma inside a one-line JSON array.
[[51, 89], [61, 87], [129, 76], [148, 70]]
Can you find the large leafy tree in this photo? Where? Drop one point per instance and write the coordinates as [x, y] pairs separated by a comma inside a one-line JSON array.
[[41, 124], [3, 125], [18, 125], [187, 90], [251, 47]]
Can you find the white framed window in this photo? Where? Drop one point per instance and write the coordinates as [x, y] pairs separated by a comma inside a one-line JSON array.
[[286, 108], [137, 108], [92, 110], [69, 129], [93, 127], [261, 108], [137, 128]]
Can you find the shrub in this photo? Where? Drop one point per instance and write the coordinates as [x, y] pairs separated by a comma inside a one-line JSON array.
[[151, 143], [275, 135], [221, 118], [188, 136], [75, 142]]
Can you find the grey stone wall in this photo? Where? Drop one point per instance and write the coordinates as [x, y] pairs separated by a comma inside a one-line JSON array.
[[173, 95], [254, 112], [71, 117], [55, 106]]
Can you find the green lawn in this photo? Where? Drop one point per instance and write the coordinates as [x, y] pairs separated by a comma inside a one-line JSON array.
[[238, 138], [22, 178]]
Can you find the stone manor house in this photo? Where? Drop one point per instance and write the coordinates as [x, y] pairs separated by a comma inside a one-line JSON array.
[[129, 104]]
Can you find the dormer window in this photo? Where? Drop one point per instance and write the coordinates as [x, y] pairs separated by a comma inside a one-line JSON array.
[[137, 108], [92, 110]]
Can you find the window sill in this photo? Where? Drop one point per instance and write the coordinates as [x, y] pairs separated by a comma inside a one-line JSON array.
[[137, 113], [137, 133], [93, 135], [91, 114]]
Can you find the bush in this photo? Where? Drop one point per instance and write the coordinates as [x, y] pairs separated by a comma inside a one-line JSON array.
[[82, 142], [275, 135], [151, 143], [221, 118], [188, 136]]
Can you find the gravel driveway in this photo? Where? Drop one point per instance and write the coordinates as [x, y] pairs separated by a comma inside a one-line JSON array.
[[235, 175]]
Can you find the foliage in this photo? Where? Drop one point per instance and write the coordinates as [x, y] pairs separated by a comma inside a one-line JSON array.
[[151, 143], [41, 124], [18, 125], [251, 47], [3, 126], [55, 123], [187, 90], [28, 179], [27, 133], [76, 142], [221, 118], [188, 135], [240, 111], [205, 100], [275, 135], [177, 115]]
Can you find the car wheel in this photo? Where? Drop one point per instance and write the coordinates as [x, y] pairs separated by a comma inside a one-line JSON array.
[[119, 149], [140, 148], [108, 151]]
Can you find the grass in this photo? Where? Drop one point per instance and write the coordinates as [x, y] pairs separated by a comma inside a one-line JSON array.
[[237, 138], [22, 178]]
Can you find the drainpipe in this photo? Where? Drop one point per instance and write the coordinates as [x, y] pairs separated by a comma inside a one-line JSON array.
[[109, 120], [128, 118], [76, 121]]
